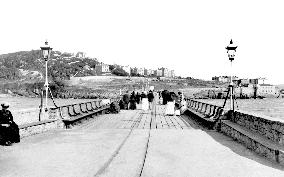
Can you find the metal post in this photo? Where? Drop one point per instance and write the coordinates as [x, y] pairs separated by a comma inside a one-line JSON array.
[[46, 86], [231, 88]]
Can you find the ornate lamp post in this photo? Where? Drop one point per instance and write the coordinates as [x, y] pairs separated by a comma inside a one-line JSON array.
[[231, 50], [46, 51]]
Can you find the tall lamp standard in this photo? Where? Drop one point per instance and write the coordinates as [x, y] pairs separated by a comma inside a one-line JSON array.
[[231, 50], [46, 51]]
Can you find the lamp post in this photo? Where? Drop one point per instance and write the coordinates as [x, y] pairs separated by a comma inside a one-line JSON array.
[[46, 51], [231, 50]]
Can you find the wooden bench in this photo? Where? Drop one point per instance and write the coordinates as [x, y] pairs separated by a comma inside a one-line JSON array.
[[206, 113], [82, 111]]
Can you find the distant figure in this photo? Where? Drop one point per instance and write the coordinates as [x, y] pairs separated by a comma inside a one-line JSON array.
[[126, 99], [138, 97], [9, 130], [145, 103], [163, 94], [121, 104], [132, 101], [183, 106], [170, 108], [150, 99]]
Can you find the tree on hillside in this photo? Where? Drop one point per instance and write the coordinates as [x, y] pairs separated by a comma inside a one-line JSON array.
[[111, 67], [119, 72]]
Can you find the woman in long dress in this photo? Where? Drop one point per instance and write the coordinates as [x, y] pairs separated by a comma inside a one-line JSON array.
[[170, 106], [145, 103]]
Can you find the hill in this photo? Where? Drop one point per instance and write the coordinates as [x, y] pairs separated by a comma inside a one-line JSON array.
[[26, 65], [23, 73]]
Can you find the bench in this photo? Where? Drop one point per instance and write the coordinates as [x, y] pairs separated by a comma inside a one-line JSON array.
[[82, 111], [205, 113]]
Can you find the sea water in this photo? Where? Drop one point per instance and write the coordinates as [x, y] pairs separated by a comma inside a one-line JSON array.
[[273, 107], [26, 110]]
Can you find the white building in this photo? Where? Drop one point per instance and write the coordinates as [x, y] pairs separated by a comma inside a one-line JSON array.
[[266, 89], [127, 69]]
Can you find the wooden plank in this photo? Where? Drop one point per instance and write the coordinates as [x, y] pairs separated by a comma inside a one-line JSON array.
[[183, 123], [158, 121], [125, 120], [174, 122], [131, 120], [160, 112], [148, 120], [179, 123], [169, 121], [142, 121], [164, 123], [153, 123]]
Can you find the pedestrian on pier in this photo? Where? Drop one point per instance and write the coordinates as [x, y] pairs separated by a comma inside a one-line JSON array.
[[126, 99], [170, 107], [132, 101], [138, 97], [150, 99], [9, 130], [145, 103]]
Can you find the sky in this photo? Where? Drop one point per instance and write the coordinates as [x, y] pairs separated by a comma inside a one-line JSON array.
[[187, 36]]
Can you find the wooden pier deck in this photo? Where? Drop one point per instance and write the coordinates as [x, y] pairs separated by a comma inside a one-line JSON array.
[[133, 143]]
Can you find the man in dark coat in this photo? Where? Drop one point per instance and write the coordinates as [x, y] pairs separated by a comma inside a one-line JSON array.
[[126, 99], [138, 98], [9, 130], [132, 101]]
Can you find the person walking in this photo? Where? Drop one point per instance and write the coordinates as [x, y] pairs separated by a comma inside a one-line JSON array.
[[145, 102], [150, 99], [138, 97], [170, 107], [132, 104], [126, 99]]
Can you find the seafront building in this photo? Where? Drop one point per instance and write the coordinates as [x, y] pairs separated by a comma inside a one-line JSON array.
[[160, 72], [127, 69], [102, 68], [250, 87]]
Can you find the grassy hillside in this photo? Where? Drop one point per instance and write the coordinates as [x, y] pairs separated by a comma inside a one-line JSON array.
[[23, 73], [26, 65]]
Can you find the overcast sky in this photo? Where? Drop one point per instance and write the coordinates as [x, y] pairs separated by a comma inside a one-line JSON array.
[[187, 36]]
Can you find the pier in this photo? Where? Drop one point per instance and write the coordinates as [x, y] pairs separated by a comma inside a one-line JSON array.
[[134, 143]]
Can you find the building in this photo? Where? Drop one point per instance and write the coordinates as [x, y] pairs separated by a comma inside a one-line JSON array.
[[266, 89], [165, 72], [159, 73], [172, 73], [127, 69], [146, 72], [81, 55], [225, 79], [102, 68], [138, 71]]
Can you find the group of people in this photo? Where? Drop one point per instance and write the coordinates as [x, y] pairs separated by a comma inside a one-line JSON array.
[[131, 101], [9, 130], [175, 104]]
